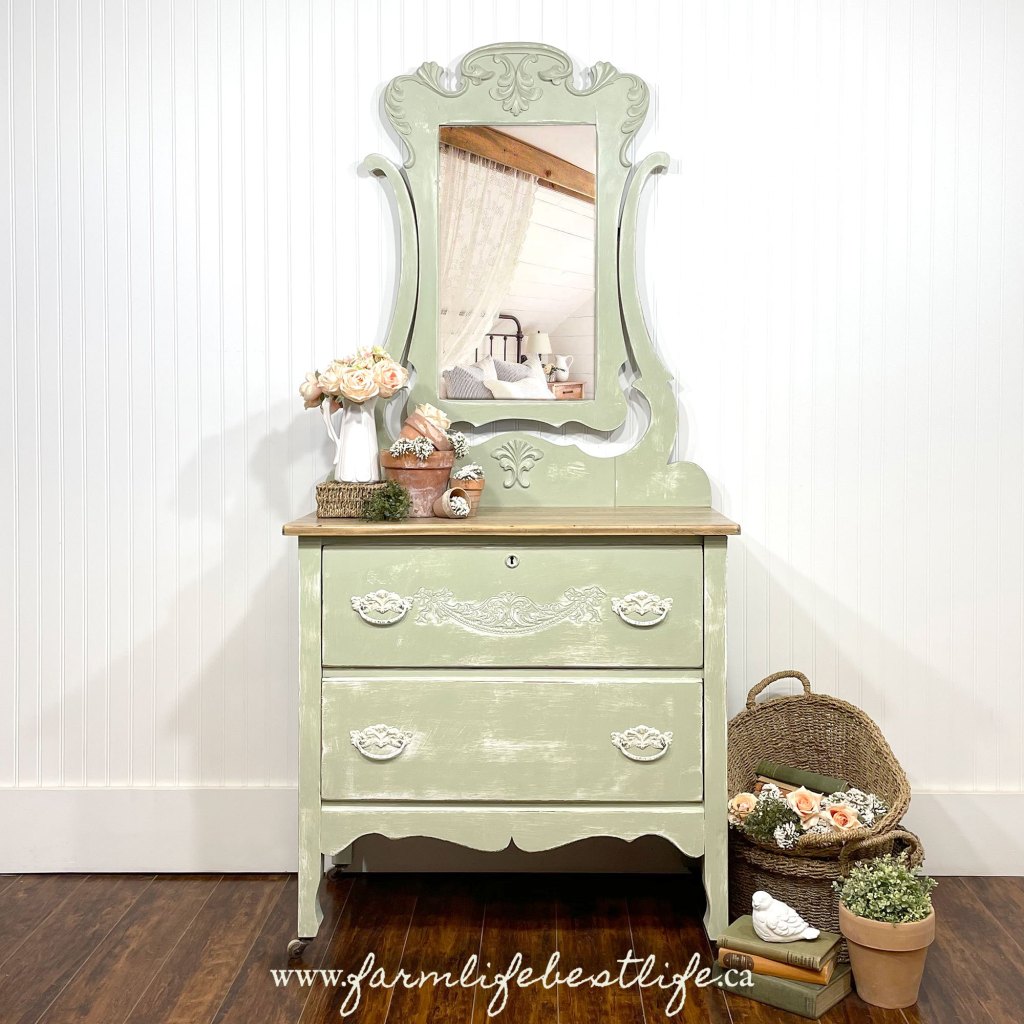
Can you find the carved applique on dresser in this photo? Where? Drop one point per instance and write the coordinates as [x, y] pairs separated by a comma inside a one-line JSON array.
[[507, 614], [517, 458]]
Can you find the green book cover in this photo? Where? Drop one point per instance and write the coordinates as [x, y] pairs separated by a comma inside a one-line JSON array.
[[810, 953], [796, 996], [799, 777]]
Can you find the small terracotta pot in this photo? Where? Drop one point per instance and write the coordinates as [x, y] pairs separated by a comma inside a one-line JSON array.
[[419, 426], [424, 480], [887, 959], [474, 492], [443, 505]]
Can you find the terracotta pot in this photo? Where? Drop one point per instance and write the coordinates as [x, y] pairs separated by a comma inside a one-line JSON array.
[[425, 481], [443, 507], [474, 491], [887, 959], [419, 426]]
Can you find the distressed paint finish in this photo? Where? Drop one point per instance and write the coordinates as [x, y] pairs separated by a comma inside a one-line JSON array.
[[531, 827], [643, 475], [487, 753], [310, 675], [716, 796], [543, 736], [563, 591]]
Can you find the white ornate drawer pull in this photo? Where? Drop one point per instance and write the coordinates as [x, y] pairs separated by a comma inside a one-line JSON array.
[[382, 607], [642, 737], [380, 742], [641, 603]]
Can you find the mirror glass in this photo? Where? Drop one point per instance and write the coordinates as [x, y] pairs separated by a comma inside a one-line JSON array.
[[516, 228]]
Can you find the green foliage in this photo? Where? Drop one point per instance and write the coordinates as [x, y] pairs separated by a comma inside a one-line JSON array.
[[886, 889], [390, 502], [766, 817]]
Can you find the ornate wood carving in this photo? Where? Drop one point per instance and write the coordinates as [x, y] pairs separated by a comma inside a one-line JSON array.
[[508, 614]]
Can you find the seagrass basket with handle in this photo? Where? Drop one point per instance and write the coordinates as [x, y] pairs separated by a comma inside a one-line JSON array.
[[805, 883], [819, 733]]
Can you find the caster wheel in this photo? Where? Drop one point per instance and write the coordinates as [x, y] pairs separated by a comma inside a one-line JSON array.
[[335, 873], [297, 946]]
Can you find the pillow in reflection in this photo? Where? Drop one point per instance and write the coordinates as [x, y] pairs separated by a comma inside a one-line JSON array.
[[512, 371], [465, 383]]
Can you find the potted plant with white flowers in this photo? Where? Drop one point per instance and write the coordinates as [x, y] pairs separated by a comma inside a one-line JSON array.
[[422, 457], [886, 916], [471, 479]]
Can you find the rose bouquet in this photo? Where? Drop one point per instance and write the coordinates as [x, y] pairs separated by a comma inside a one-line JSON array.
[[369, 373], [354, 384], [771, 817]]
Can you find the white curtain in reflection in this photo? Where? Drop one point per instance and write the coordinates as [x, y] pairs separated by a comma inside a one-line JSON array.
[[484, 210]]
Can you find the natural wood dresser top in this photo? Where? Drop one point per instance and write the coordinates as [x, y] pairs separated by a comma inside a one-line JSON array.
[[647, 521]]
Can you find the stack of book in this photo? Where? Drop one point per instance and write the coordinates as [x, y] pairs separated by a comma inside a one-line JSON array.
[[802, 977]]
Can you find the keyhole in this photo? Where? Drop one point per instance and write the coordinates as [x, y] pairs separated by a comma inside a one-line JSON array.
[[512, 561]]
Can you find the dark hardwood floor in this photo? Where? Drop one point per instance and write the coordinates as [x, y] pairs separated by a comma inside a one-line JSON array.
[[193, 949]]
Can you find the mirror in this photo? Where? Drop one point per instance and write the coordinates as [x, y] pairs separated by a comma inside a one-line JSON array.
[[516, 229]]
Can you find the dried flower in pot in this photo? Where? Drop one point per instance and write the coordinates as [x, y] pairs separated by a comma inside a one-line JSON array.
[[453, 504], [886, 916], [471, 479]]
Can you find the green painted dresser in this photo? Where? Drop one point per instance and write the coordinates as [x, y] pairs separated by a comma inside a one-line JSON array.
[[530, 676]]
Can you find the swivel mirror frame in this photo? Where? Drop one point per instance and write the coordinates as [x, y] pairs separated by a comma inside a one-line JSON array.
[[532, 83]]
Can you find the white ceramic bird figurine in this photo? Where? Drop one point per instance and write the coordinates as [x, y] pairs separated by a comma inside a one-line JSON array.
[[775, 921]]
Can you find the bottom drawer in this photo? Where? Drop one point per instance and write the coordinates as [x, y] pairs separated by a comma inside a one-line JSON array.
[[545, 737]]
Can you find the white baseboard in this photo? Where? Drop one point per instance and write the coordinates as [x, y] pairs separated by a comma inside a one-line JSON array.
[[146, 830], [250, 829]]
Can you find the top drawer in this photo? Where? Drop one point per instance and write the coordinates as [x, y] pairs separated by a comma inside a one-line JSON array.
[[527, 603]]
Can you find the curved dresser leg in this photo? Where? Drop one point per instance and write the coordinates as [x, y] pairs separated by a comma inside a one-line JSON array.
[[310, 911], [716, 889]]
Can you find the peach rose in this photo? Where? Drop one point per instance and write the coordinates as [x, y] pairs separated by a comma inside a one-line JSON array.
[[435, 416], [330, 379], [844, 817], [805, 803], [359, 385], [740, 806], [311, 391], [390, 377]]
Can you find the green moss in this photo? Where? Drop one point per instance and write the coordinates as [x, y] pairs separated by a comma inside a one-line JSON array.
[[389, 503]]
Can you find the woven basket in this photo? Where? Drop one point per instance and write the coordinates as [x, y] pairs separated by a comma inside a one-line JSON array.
[[336, 500], [805, 883], [823, 734]]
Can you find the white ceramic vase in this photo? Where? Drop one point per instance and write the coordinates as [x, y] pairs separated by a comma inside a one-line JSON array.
[[562, 366], [355, 442]]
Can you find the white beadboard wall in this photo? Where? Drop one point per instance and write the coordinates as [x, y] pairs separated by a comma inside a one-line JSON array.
[[835, 271]]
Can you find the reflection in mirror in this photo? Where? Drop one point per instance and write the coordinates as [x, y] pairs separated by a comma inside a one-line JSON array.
[[516, 217]]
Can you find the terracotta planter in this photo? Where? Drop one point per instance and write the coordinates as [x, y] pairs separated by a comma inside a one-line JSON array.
[[443, 505], [474, 491], [425, 481], [887, 959], [419, 426]]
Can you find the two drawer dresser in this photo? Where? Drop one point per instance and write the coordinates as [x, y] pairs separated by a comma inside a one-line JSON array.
[[530, 676], [552, 669]]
